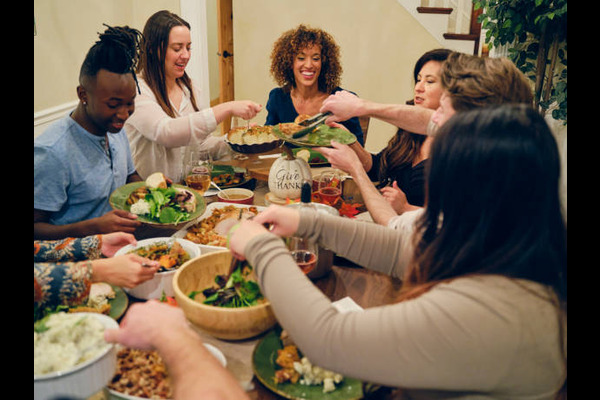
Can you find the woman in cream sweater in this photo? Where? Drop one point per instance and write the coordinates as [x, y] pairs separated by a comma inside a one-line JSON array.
[[483, 313]]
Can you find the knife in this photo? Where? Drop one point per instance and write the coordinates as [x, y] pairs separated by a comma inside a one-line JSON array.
[[311, 124]]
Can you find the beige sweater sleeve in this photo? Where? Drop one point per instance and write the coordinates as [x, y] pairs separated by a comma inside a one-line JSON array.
[[461, 336]]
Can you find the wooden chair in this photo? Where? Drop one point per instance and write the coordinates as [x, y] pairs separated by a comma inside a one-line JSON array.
[[364, 125]]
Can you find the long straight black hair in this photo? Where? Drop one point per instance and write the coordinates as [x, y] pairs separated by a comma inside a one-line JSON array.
[[492, 201]]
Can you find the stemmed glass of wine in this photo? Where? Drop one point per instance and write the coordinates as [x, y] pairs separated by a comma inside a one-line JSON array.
[[198, 170], [304, 252]]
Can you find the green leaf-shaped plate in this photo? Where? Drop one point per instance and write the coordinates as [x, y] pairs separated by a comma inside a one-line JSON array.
[[118, 201], [263, 365], [320, 137]]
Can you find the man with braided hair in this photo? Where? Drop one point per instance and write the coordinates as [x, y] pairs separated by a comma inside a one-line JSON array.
[[82, 158]]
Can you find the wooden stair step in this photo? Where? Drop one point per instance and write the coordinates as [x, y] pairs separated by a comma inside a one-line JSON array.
[[434, 10], [461, 36]]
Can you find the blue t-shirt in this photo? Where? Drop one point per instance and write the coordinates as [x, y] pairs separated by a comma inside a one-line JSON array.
[[73, 175], [280, 108]]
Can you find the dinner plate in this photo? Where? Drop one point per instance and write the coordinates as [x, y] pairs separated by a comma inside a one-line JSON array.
[[207, 213], [220, 169], [320, 137], [263, 365], [315, 159], [118, 201], [119, 304]]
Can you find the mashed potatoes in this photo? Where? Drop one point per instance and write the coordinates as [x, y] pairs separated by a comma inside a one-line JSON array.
[[65, 341]]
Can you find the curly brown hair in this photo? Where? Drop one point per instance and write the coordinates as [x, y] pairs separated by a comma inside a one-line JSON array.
[[289, 45]]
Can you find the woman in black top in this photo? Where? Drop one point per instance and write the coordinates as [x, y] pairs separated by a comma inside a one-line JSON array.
[[403, 160], [305, 63]]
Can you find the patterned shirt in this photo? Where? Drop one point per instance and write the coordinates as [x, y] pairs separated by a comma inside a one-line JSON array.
[[62, 270]]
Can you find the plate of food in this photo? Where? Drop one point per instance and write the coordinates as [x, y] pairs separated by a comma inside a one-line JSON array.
[[142, 374], [212, 227], [171, 253], [280, 366], [321, 136], [226, 176], [253, 139], [312, 157], [158, 202], [105, 299]]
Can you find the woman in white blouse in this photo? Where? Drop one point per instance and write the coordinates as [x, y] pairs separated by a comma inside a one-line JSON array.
[[167, 115]]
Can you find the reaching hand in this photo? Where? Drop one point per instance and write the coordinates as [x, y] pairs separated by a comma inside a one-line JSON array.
[[112, 242], [128, 270], [396, 197], [144, 324], [245, 109], [343, 104], [117, 221], [283, 221], [341, 156]]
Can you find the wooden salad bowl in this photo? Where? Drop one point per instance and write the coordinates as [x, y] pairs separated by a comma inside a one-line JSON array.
[[223, 323]]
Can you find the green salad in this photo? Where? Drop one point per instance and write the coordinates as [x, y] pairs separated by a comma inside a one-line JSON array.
[[237, 291], [167, 206]]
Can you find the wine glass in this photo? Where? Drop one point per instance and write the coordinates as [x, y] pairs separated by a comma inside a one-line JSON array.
[[198, 170], [330, 187], [304, 252]]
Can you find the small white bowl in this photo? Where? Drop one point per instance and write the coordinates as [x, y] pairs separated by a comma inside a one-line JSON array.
[[162, 281], [84, 379]]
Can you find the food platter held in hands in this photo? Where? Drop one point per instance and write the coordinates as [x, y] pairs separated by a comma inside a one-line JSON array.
[[321, 136], [157, 202]]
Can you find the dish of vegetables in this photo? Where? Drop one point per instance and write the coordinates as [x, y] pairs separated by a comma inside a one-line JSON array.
[[170, 256], [237, 291], [172, 205]]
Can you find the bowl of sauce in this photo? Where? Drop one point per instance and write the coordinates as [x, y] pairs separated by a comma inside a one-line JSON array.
[[236, 195]]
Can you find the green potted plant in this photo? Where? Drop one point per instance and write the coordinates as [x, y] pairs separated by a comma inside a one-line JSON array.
[[536, 31]]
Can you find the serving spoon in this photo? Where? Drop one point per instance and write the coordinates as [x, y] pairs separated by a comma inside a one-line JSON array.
[[219, 189]]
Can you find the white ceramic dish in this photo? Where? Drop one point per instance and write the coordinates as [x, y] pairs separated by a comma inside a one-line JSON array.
[[84, 379], [207, 213], [162, 281], [218, 354]]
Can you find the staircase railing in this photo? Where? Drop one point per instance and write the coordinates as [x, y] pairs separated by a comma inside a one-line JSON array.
[[462, 20]]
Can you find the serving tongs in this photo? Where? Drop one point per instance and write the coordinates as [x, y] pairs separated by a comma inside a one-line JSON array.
[[310, 124], [235, 263]]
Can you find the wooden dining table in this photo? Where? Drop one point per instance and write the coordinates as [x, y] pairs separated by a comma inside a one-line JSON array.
[[345, 279]]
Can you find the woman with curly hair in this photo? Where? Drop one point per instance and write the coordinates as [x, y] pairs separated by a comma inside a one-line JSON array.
[[305, 63]]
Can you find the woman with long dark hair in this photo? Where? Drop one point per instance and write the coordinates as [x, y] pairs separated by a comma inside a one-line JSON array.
[[168, 117], [400, 166], [484, 301]]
